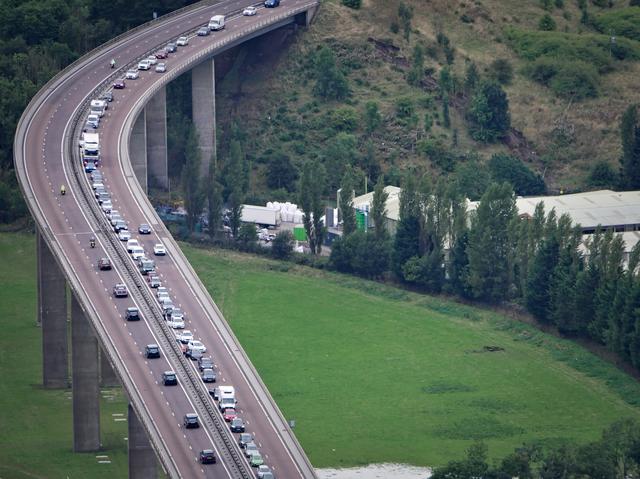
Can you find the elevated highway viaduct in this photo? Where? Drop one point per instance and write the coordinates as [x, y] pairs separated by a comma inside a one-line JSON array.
[[103, 344]]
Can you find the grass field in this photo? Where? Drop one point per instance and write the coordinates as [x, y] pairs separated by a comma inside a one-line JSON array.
[[35, 424], [369, 373], [374, 374]]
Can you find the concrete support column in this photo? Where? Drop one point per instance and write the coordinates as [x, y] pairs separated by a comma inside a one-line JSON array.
[[52, 315], [156, 117], [203, 97], [138, 149], [108, 377], [142, 459], [310, 13], [86, 391]]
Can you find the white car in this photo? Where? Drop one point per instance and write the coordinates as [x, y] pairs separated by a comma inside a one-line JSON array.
[[144, 65], [161, 68], [106, 206], [159, 249], [185, 336], [161, 290], [124, 235], [132, 75], [137, 252], [152, 59], [250, 11], [182, 42], [175, 323], [97, 184], [131, 243], [195, 345], [164, 297]]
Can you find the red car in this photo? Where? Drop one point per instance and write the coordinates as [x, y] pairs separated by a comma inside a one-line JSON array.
[[119, 84], [161, 55], [229, 414]]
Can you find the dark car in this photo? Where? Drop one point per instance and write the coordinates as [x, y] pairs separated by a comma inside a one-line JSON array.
[[154, 281], [144, 229], [162, 54], [171, 47], [119, 84], [272, 3], [203, 32], [107, 96], [120, 290], [191, 421], [207, 457], [205, 362], [132, 314], [120, 225], [169, 378], [209, 375], [237, 425], [245, 438], [152, 351], [147, 266], [104, 264]]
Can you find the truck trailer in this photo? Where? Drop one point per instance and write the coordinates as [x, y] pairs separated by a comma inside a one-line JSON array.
[[260, 215]]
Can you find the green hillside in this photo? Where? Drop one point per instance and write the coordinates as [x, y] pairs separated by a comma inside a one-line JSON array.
[[567, 89]]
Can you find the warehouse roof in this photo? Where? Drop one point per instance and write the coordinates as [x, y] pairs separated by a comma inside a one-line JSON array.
[[604, 207], [393, 202]]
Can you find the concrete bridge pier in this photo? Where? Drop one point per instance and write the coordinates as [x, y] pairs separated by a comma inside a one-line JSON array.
[[156, 119], [203, 98], [85, 373], [52, 316], [142, 459], [138, 149], [108, 377]]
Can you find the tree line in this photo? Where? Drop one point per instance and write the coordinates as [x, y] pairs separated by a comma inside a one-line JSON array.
[[584, 286], [616, 455]]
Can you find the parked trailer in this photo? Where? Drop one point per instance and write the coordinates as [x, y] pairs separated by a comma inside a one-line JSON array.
[[260, 215]]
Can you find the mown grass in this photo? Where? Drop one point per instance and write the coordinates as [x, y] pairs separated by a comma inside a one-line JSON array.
[[36, 424], [374, 374]]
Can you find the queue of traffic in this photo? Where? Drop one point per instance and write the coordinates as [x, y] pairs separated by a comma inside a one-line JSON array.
[[191, 347]]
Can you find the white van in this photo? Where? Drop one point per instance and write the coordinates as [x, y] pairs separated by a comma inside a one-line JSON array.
[[222, 392], [216, 22], [137, 252], [98, 107]]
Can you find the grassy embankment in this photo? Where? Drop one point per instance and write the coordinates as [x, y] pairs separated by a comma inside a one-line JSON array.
[[370, 373], [375, 374], [36, 439]]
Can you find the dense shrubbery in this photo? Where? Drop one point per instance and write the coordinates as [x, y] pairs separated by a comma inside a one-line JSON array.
[[510, 169], [574, 79], [591, 48], [621, 23]]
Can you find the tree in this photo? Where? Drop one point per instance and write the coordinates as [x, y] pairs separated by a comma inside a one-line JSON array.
[[247, 237], [280, 171], [602, 175], [405, 14], [501, 71], [630, 138], [214, 199], [471, 77], [311, 186], [372, 118], [407, 239], [379, 210], [339, 152], [416, 73], [331, 84], [235, 182], [547, 23], [282, 245], [346, 203], [508, 168], [489, 113], [446, 119], [537, 294], [191, 185], [489, 247]]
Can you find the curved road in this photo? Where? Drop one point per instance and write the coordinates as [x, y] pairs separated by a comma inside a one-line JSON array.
[[45, 134]]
